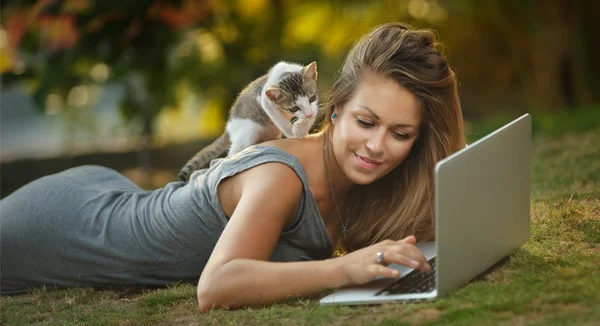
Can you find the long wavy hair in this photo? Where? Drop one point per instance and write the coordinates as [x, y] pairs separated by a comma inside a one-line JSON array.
[[402, 202]]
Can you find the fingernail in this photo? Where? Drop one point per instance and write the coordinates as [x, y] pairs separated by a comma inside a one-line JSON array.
[[414, 263]]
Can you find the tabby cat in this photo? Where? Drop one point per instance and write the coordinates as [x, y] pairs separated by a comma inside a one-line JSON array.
[[263, 111]]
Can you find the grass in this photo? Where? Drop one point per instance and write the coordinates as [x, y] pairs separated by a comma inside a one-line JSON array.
[[551, 280]]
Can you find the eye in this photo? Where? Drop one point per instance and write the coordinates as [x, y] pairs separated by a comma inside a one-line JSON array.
[[400, 136], [294, 109], [312, 98], [363, 123]]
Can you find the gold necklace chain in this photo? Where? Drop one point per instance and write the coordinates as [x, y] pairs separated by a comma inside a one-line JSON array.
[[344, 225]]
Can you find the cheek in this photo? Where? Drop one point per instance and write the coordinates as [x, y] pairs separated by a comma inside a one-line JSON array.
[[399, 151], [350, 132], [344, 139]]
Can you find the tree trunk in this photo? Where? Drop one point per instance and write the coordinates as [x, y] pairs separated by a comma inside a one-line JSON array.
[[548, 46], [552, 54], [582, 87]]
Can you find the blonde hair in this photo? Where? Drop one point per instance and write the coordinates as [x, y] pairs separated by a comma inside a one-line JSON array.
[[401, 203]]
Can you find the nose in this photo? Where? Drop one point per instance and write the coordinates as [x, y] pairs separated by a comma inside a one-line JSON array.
[[309, 114], [375, 143]]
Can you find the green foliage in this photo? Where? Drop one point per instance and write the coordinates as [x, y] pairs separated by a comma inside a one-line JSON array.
[[505, 53], [61, 42]]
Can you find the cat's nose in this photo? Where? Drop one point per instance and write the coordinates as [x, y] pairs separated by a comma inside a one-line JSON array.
[[309, 115]]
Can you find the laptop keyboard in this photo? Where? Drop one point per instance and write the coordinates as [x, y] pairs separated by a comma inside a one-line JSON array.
[[414, 282]]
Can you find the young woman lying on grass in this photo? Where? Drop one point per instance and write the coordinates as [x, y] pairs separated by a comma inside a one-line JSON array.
[[261, 225]]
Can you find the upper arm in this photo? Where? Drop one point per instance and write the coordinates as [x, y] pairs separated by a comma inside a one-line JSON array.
[[270, 196]]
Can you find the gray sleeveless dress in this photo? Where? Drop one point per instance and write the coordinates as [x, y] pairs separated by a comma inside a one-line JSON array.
[[91, 226]]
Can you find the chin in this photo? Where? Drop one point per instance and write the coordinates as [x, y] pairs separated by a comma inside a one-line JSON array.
[[361, 178], [365, 182]]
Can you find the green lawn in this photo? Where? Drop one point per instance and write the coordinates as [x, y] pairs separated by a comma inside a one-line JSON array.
[[554, 279]]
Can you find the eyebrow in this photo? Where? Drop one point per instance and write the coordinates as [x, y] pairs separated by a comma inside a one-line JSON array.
[[401, 125]]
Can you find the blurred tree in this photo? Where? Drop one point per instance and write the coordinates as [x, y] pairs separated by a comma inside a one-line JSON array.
[[548, 36], [547, 43], [157, 48], [66, 45]]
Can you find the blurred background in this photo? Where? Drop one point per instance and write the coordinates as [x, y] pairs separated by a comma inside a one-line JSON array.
[[141, 86]]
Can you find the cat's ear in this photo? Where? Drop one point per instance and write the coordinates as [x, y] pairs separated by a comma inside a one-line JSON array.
[[310, 72], [274, 93]]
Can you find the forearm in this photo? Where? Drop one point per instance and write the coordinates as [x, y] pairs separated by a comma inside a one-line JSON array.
[[243, 282]]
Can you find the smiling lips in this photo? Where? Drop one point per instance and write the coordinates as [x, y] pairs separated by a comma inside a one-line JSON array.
[[366, 163]]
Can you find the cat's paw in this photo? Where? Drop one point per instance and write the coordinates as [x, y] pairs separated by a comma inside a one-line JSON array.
[[302, 127]]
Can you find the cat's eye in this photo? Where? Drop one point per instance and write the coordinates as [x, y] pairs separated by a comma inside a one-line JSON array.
[[312, 98], [294, 109]]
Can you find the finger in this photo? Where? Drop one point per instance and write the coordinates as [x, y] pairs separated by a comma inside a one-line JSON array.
[[380, 258], [396, 258], [409, 250], [380, 270], [413, 253], [410, 239]]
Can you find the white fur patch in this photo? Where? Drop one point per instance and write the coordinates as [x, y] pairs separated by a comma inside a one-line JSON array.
[[276, 115], [282, 67], [278, 70], [308, 109], [243, 133]]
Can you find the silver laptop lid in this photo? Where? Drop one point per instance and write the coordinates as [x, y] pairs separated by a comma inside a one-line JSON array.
[[482, 198]]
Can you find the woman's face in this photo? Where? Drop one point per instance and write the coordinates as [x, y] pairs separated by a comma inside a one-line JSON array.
[[375, 130]]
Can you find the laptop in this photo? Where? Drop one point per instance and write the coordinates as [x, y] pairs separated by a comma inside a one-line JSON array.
[[482, 202]]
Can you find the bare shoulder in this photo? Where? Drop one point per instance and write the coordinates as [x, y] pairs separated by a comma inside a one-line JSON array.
[[278, 143], [262, 182], [299, 148], [271, 173], [269, 181]]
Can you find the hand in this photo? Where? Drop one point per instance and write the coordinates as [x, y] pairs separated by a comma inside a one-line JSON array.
[[302, 127], [361, 266]]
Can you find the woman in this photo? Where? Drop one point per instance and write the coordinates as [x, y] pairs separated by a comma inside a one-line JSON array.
[[363, 182]]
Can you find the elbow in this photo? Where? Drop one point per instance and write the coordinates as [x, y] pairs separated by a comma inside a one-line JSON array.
[[205, 305], [216, 288], [206, 300]]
